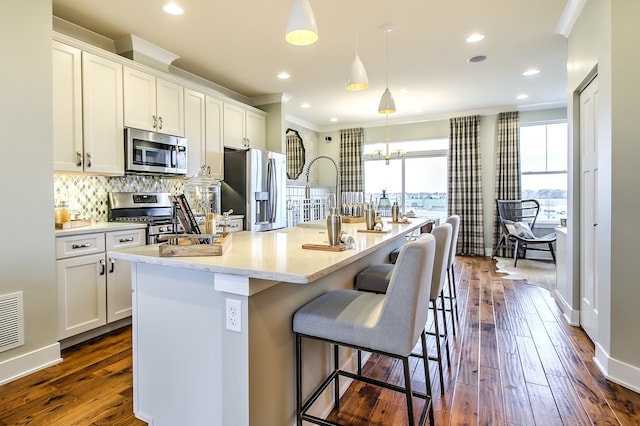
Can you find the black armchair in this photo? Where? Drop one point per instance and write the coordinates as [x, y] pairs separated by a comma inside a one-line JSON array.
[[517, 221]]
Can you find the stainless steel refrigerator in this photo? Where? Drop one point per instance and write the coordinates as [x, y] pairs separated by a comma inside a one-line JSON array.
[[254, 186]]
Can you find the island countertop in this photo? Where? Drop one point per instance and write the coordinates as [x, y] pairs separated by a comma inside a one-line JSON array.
[[278, 255]]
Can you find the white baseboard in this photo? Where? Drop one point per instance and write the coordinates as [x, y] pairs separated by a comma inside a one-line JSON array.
[[25, 364], [617, 371], [572, 316]]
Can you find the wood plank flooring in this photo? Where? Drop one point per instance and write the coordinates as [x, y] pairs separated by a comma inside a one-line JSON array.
[[514, 361]]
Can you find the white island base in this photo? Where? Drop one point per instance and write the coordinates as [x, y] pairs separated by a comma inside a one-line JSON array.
[[189, 369]]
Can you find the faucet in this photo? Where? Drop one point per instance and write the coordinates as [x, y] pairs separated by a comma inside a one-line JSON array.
[[307, 188]]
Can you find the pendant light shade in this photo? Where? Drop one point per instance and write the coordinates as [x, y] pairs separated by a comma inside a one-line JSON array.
[[387, 104], [358, 76], [301, 29]]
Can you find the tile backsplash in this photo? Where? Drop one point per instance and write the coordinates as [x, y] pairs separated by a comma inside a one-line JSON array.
[[87, 195]]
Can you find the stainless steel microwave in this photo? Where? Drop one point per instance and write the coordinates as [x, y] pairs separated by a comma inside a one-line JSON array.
[[154, 153]]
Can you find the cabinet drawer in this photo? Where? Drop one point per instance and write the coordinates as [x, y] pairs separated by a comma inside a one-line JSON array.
[[77, 245], [124, 239]]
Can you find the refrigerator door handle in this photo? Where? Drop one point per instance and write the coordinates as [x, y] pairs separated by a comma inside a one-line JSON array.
[[273, 190]]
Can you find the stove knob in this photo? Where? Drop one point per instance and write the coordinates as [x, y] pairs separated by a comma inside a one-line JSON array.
[[161, 229]]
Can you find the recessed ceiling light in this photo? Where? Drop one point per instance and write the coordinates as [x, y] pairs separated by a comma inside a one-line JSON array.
[[532, 71], [474, 38], [403, 91], [305, 105], [523, 96], [284, 75], [333, 119], [478, 58], [417, 110], [173, 9]]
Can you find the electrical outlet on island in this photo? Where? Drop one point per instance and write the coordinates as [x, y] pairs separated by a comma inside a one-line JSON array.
[[233, 315]]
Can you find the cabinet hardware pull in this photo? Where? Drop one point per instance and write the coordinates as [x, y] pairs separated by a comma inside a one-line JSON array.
[[155, 121], [79, 246], [102, 267], [89, 159], [126, 240], [113, 265], [160, 119], [78, 159]]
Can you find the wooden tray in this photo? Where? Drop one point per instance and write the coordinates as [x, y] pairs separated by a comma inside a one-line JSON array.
[[183, 245], [353, 219], [373, 231], [76, 223], [325, 247]]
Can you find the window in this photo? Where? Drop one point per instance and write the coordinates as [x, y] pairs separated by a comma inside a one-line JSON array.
[[417, 180], [543, 168]]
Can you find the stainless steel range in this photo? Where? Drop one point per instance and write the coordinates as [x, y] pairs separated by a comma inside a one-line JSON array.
[[153, 208]]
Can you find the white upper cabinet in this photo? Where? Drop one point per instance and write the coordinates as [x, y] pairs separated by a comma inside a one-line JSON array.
[[203, 130], [194, 130], [87, 113], [214, 149], [68, 151], [152, 103], [243, 128], [103, 131]]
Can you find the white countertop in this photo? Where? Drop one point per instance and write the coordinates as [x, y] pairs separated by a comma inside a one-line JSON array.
[[277, 255], [100, 227]]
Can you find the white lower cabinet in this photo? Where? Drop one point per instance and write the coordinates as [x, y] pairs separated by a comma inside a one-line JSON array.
[[93, 289]]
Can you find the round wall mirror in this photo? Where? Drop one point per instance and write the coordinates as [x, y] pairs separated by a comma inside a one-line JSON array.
[[295, 154]]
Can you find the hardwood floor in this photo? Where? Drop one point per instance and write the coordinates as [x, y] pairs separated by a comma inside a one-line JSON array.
[[514, 361]]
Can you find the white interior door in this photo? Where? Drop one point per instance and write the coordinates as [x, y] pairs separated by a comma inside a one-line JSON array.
[[589, 210]]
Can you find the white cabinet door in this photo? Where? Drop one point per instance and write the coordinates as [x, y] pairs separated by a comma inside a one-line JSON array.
[[170, 107], [234, 126], [214, 149], [256, 129], [102, 103], [139, 100], [152, 103], [81, 285], [194, 129], [118, 303], [67, 108]]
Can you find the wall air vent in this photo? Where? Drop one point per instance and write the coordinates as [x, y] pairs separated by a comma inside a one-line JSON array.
[[11, 321]]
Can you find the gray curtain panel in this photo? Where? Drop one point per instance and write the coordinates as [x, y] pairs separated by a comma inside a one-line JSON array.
[[508, 182], [465, 183], [351, 162]]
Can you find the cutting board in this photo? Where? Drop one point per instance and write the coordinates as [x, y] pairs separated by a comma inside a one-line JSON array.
[[325, 247], [373, 231]]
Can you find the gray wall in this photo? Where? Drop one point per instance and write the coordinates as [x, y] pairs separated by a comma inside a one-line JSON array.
[[27, 256], [605, 38]]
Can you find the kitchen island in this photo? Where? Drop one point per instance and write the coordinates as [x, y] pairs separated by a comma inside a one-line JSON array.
[[212, 339]]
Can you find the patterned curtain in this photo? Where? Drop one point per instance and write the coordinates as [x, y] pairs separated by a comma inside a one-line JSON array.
[[465, 183], [508, 185], [351, 163]]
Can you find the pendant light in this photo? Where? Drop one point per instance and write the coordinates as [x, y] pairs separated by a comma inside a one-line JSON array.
[[301, 29], [387, 104], [358, 76]]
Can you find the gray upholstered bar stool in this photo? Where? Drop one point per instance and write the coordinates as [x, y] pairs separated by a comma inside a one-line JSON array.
[[452, 295], [375, 278], [389, 324]]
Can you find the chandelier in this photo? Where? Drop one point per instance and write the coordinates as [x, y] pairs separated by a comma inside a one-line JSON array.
[[387, 155]]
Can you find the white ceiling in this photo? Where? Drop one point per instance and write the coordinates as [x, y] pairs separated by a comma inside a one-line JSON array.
[[240, 45]]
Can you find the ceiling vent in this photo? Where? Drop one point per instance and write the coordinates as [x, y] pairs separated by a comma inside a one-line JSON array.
[[144, 52]]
